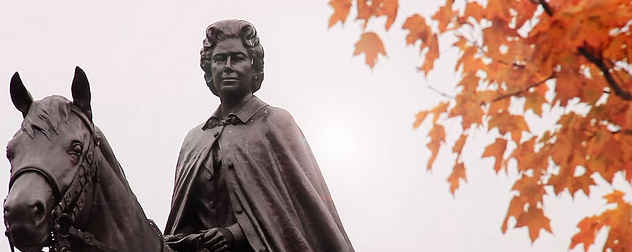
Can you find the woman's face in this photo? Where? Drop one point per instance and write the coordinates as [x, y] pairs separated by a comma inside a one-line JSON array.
[[231, 67]]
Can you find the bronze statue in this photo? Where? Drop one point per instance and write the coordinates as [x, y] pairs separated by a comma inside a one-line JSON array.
[[67, 191], [246, 179]]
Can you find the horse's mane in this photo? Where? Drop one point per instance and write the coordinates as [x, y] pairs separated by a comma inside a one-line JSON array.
[[47, 115]]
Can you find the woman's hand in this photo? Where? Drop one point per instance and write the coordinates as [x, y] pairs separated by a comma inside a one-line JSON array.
[[217, 240]]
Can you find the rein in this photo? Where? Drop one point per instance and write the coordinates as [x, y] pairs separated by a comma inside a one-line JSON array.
[[72, 202]]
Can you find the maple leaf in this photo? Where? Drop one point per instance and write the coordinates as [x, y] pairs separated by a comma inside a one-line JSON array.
[[458, 146], [506, 122], [496, 150], [444, 15], [435, 112], [535, 220], [419, 118], [516, 208], [530, 189], [617, 219], [509, 54], [458, 174], [588, 228], [371, 45], [474, 10], [419, 30], [437, 136], [341, 11], [535, 100], [377, 8]]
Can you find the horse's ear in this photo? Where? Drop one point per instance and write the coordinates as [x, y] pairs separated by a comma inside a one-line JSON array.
[[81, 92], [21, 97]]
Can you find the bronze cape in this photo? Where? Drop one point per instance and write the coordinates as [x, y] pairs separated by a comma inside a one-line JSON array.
[[276, 190]]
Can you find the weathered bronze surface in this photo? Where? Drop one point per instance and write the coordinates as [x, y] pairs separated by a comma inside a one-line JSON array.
[[246, 179]]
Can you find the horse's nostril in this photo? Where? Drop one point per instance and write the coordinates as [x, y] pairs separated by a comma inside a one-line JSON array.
[[35, 211], [38, 209]]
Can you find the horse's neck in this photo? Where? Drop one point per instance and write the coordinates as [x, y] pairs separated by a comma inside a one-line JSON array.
[[116, 217]]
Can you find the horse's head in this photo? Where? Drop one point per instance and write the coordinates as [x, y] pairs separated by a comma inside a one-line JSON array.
[[55, 141]]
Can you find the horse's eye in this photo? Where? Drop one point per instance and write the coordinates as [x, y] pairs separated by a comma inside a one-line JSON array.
[[76, 149]]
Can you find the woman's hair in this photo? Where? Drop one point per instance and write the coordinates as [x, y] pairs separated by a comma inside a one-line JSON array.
[[232, 28]]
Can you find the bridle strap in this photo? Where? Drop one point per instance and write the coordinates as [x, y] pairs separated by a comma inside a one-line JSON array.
[[49, 178], [72, 202]]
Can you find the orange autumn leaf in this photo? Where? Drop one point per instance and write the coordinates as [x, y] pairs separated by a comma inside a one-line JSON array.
[[496, 150], [567, 62], [435, 112], [341, 11], [371, 45], [376, 8], [588, 227], [516, 208], [458, 174], [618, 221], [418, 30], [437, 136], [458, 146], [444, 15], [535, 220]]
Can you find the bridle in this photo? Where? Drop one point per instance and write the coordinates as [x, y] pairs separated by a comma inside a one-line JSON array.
[[72, 202]]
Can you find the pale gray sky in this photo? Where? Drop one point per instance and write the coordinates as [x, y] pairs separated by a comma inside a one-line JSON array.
[[141, 58]]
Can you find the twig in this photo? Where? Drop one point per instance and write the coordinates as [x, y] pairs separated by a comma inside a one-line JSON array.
[[504, 96], [439, 92]]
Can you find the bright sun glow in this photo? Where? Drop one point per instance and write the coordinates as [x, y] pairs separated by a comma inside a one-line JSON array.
[[345, 138]]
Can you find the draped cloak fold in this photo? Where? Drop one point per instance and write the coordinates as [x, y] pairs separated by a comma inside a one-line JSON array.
[[276, 190]]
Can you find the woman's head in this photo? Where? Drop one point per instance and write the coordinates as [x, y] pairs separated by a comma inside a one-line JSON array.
[[226, 29]]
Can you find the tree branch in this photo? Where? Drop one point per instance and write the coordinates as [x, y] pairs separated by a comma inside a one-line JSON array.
[[598, 61], [504, 96], [606, 73]]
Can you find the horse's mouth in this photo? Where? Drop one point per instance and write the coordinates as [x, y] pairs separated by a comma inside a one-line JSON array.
[[28, 240]]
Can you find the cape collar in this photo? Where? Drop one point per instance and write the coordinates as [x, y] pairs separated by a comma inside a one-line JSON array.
[[247, 111]]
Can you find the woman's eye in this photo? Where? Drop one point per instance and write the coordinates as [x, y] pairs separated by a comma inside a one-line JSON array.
[[219, 59]]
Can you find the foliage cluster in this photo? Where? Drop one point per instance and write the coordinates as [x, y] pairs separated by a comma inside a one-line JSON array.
[[518, 57]]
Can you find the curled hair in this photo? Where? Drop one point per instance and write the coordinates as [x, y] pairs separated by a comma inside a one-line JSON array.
[[232, 28]]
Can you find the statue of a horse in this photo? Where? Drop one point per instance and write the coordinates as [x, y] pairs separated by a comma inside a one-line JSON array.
[[67, 190]]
